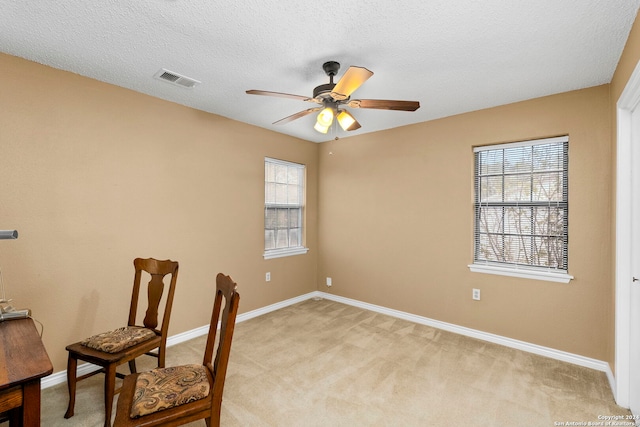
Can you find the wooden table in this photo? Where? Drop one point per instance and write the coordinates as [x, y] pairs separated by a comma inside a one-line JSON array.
[[23, 362]]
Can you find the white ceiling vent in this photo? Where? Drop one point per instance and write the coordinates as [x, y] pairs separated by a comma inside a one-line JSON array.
[[176, 79]]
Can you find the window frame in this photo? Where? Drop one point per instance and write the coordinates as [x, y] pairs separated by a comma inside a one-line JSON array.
[[290, 250], [514, 269]]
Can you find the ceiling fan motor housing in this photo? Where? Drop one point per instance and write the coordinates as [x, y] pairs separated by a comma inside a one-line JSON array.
[[323, 91]]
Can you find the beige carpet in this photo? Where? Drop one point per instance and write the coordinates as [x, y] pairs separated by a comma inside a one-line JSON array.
[[322, 363]]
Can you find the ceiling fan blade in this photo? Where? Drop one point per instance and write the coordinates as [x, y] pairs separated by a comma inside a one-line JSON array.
[[349, 82], [280, 94], [297, 115], [385, 104]]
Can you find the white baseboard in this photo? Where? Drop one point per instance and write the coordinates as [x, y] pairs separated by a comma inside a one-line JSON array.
[[598, 365], [564, 356], [85, 368]]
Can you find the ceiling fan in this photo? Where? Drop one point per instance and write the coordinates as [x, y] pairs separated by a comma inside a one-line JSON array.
[[333, 97]]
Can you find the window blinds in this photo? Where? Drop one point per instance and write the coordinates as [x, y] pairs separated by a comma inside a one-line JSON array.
[[521, 203], [284, 195]]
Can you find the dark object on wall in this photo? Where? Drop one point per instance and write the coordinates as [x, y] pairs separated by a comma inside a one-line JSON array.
[[8, 234]]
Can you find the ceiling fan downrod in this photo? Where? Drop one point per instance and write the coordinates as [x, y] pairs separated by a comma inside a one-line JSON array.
[[331, 69]]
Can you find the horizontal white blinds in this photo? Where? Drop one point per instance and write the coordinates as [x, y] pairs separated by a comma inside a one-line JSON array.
[[521, 203], [284, 198]]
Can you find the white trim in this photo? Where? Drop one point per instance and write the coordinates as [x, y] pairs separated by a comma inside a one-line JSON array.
[[284, 162], [85, 368], [563, 356], [279, 253], [628, 101], [61, 377], [550, 276], [623, 259], [481, 264], [521, 144], [598, 365], [273, 307], [288, 251], [630, 97]]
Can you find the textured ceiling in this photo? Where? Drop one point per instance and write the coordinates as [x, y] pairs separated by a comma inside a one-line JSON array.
[[451, 56]]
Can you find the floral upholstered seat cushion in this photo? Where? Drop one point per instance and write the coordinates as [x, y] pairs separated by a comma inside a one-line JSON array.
[[118, 340], [165, 388]]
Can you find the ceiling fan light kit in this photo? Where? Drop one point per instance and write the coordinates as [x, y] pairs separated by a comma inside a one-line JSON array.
[[320, 128], [325, 118], [332, 96], [347, 121]]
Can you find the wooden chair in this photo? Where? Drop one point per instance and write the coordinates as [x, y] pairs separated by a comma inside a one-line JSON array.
[[114, 348], [182, 394]]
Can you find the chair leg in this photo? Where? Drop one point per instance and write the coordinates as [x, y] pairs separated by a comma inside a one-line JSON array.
[[214, 419], [72, 365], [132, 366], [109, 392], [161, 354]]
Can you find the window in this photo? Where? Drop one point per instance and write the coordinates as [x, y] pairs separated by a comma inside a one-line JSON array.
[[283, 208], [521, 209]]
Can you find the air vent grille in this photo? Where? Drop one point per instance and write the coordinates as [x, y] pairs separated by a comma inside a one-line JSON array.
[[176, 79]]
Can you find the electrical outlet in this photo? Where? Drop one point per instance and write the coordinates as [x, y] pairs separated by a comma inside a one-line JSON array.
[[267, 277], [329, 281], [476, 294]]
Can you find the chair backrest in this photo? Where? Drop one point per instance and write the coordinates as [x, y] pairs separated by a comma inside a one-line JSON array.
[[226, 294], [157, 270]]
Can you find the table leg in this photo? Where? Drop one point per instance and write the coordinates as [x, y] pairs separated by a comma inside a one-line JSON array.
[[31, 404]]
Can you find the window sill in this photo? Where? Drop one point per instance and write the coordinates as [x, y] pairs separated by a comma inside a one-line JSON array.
[[520, 272], [279, 253]]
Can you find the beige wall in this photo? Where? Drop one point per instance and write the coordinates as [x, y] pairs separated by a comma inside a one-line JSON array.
[[396, 223], [94, 175]]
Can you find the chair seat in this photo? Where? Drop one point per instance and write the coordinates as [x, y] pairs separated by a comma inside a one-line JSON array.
[[180, 395], [120, 339], [141, 336], [165, 388]]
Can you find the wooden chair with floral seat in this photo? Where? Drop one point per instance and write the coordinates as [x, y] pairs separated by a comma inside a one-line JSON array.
[[124, 345], [181, 394]]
